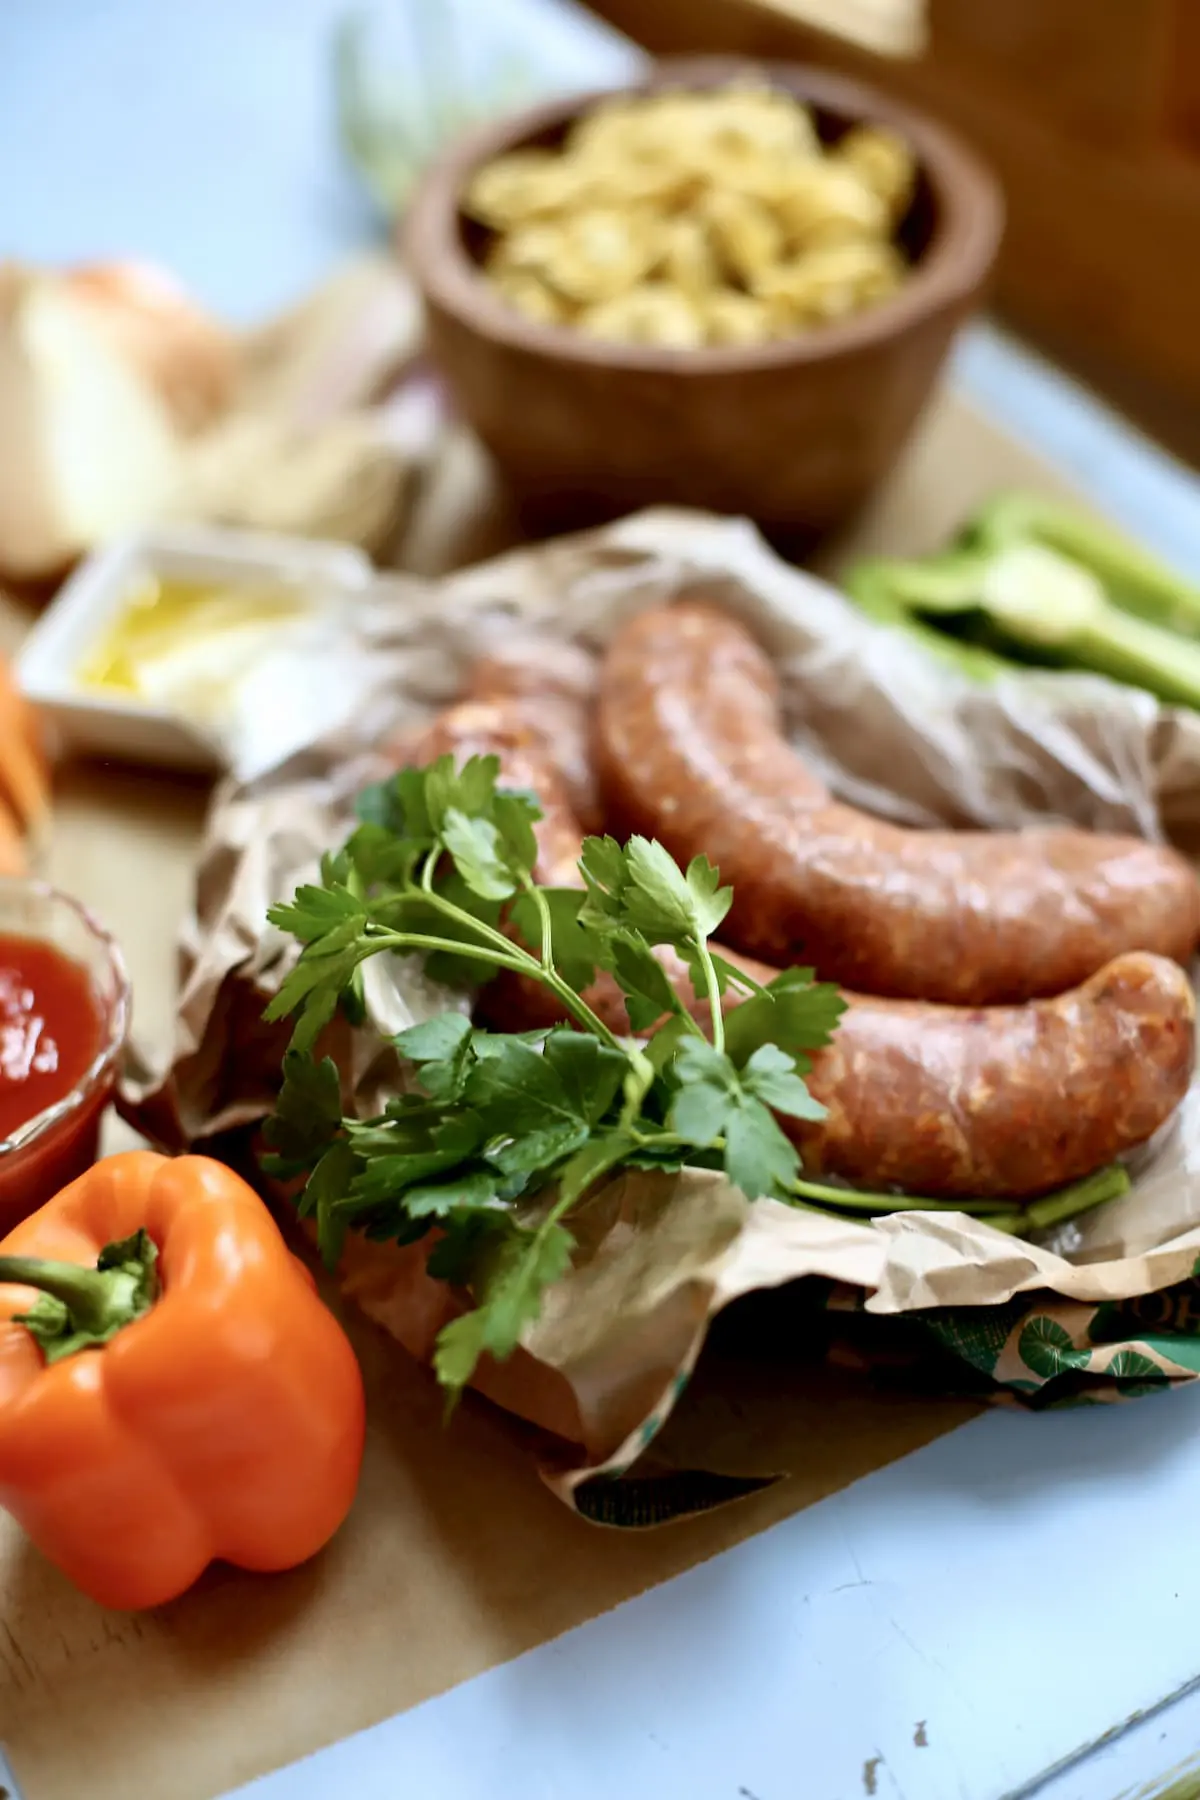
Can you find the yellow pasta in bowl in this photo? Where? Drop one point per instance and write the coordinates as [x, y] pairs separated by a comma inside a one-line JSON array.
[[654, 313], [720, 194], [722, 287], [883, 161]]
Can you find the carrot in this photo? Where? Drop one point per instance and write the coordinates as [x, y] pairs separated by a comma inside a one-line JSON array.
[[23, 774], [13, 860]]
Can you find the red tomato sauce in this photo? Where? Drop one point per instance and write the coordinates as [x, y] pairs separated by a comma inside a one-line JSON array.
[[50, 1029]]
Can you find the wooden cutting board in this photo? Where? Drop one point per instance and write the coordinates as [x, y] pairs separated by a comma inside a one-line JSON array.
[[455, 1557]]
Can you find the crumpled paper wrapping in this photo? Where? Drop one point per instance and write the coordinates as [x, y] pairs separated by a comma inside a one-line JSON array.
[[659, 1256]]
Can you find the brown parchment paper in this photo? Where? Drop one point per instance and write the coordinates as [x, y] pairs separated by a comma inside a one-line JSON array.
[[660, 1256], [454, 1558]]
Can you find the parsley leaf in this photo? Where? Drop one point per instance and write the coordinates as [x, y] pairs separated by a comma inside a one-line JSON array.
[[698, 1112], [325, 970], [642, 888], [380, 858], [441, 1048], [664, 1045], [771, 1076], [516, 1089], [666, 905], [602, 865], [478, 853], [435, 1040], [589, 1072], [714, 1100], [398, 805], [516, 1270], [793, 1011], [317, 912], [758, 1158], [698, 1060], [536, 1151], [308, 1113], [506, 1133], [642, 979], [469, 790], [516, 813], [476, 1190], [327, 1185]]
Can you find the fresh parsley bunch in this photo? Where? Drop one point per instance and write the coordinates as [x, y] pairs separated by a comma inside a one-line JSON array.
[[505, 1133]]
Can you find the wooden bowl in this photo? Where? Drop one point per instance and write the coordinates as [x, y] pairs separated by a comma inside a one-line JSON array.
[[795, 434]]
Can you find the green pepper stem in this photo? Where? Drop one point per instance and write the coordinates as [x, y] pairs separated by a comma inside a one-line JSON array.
[[80, 1308], [86, 1292]]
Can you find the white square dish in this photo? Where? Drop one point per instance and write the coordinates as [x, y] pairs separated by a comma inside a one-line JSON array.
[[98, 724]]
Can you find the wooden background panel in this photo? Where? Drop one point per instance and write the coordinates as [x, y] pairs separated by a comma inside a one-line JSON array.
[[1094, 68], [1090, 112]]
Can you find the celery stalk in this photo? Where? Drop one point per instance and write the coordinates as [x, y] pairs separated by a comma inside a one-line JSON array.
[[1033, 602], [888, 592], [1051, 605], [1134, 580]]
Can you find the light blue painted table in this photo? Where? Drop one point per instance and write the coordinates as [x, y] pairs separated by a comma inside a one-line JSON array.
[[936, 1632]]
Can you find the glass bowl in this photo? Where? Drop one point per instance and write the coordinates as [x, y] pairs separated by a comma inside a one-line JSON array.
[[60, 1142]]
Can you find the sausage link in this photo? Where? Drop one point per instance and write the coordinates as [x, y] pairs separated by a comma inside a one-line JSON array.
[[499, 728], [691, 751], [551, 687], [944, 1101], [1005, 1101], [964, 1103]]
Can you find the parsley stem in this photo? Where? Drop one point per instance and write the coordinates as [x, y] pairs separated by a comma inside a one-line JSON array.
[[487, 934], [511, 954], [543, 910], [714, 994], [582, 1012], [381, 937], [574, 1002], [858, 1200], [1105, 1184], [1005, 1215]]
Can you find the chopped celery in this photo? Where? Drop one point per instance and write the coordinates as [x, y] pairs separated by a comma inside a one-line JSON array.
[[877, 587], [1134, 580], [1040, 599], [1031, 581]]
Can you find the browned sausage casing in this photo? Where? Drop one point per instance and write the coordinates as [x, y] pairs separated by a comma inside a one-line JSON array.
[[967, 1103], [1007, 1100], [942, 1101], [691, 751], [551, 688], [499, 728]]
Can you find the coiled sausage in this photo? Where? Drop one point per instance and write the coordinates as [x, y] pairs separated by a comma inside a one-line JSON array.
[[1006, 1100], [552, 688], [943, 1101], [691, 751], [500, 728]]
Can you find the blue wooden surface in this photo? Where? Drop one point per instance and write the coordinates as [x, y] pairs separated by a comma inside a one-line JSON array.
[[965, 1620], [1011, 1595]]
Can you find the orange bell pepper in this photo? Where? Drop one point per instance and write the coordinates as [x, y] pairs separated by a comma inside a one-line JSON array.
[[173, 1391]]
